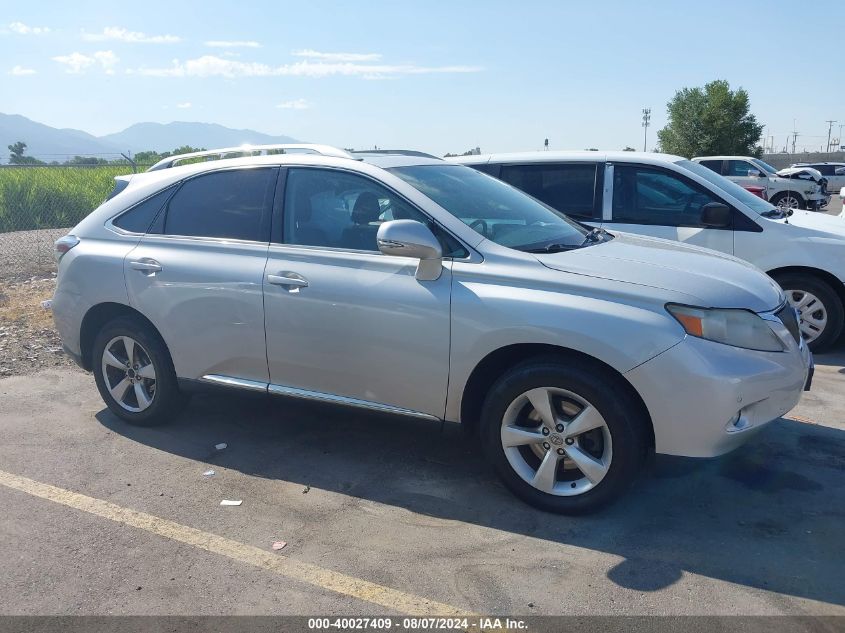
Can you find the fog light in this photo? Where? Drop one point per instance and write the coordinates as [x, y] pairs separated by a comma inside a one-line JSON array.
[[737, 423]]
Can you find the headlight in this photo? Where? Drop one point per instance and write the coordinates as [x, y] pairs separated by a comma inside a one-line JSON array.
[[740, 328]]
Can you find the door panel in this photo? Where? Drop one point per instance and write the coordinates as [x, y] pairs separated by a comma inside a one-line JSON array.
[[659, 203], [206, 301], [363, 327]]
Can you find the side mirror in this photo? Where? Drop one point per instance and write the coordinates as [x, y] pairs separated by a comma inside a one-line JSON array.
[[716, 215], [842, 193], [753, 173], [409, 238]]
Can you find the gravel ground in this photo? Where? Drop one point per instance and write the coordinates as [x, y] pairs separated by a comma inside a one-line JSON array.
[[27, 253], [28, 340]]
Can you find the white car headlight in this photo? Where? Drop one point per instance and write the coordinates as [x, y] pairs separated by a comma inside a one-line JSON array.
[[740, 328]]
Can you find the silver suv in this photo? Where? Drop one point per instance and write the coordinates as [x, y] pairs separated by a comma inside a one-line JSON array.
[[403, 284]]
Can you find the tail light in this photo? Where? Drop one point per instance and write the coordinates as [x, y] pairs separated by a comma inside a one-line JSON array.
[[64, 244], [760, 192]]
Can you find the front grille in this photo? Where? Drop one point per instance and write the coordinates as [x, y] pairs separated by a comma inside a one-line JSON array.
[[789, 317]]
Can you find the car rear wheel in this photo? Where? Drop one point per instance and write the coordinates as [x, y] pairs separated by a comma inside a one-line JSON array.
[[820, 310], [788, 200], [134, 373], [565, 439]]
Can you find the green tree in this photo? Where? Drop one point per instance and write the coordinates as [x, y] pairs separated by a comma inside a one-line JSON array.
[[712, 120], [16, 156]]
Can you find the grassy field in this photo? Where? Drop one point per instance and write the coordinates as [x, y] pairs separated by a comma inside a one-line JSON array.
[[52, 197]]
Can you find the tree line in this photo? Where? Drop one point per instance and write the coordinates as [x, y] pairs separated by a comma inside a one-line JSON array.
[[17, 156]]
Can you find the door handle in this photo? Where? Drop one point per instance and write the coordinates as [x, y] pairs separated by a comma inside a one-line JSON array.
[[289, 280], [146, 265]]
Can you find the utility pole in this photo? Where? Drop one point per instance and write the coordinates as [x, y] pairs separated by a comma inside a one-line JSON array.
[[646, 121], [829, 130]]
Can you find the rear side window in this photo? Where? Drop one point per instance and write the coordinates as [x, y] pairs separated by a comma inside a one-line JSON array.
[[139, 218], [569, 188], [225, 204], [715, 165]]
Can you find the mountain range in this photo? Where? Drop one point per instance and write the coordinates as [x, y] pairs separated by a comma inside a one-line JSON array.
[[50, 143]]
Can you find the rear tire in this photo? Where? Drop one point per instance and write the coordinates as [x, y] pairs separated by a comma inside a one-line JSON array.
[[134, 373], [563, 437], [819, 307]]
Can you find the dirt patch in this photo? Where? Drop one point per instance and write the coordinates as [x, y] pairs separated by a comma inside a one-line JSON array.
[[28, 340]]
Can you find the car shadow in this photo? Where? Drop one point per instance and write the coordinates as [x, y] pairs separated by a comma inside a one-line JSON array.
[[767, 516]]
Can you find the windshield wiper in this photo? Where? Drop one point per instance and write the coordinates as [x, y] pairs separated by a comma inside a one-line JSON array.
[[552, 248], [597, 234], [777, 213]]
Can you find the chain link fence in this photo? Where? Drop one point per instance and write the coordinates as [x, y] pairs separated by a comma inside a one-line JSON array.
[[38, 204]]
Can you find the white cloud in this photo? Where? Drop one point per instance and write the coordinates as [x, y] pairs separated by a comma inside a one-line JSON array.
[[20, 71], [294, 104], [232, 44], [184, 106], [131, 37], [76, 63], [338, 57], [213, 66], [108, 60], [22, 29]]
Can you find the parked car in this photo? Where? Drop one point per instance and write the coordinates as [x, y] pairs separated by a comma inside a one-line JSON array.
[[834, 173], [790, 188], [670, 197], [415, 287]]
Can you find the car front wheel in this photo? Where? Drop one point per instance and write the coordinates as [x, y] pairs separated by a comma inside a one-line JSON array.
[[788, 200], [564, 438], [820, 310]]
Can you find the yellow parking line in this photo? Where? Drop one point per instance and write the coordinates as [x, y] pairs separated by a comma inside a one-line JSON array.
[[278, 564]]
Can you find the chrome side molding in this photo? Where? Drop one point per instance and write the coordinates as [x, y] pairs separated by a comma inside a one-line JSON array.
[[238, 383], [317, 396]]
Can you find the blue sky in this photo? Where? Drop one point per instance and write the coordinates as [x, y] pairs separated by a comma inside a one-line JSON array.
[[433, 75]]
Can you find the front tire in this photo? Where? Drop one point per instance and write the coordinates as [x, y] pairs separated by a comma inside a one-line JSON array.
[[134, 373], [788, 200], [820, 310], [563, 437]]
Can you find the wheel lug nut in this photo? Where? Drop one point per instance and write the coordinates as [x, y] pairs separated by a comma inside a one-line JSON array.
[[559, 428], [560, 451], [569, 441], [546, 445], [545, 431]]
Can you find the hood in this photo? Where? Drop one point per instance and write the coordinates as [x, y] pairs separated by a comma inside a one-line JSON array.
[[710, 279], [830, 225], [797, 172]]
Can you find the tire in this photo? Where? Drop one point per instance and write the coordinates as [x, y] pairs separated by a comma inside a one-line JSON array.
[[814, 298], [617, 447], [150, 391], [788, 200]]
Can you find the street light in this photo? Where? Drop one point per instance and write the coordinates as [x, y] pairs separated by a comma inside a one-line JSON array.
[[646, 121]]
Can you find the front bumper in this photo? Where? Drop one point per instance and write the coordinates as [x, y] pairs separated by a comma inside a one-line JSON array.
[[814, 204], [706, 399]]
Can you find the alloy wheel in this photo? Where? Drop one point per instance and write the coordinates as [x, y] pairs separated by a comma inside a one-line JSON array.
[[129, 373], [812, 314], [556, 441], [789, 202]]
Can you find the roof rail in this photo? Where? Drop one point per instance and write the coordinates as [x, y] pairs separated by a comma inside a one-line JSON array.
[[394, 152], [251, 150]]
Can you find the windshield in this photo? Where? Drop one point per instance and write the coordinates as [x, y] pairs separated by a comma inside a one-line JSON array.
[[494, 209], [765, 166], [746, 197]]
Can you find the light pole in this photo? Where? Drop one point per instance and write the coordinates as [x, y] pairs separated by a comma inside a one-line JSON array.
[[829, 130], [646, 121]]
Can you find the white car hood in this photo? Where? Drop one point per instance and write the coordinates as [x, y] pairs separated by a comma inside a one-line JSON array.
[[715, 280], [832, 225], [815, 174]]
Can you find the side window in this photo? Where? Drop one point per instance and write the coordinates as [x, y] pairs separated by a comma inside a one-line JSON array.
[[139, 218], [642, 195], [224, 204], [715, 165], [337, 209], [825, 170], [740, 168], [488, 168], [569, 188]]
